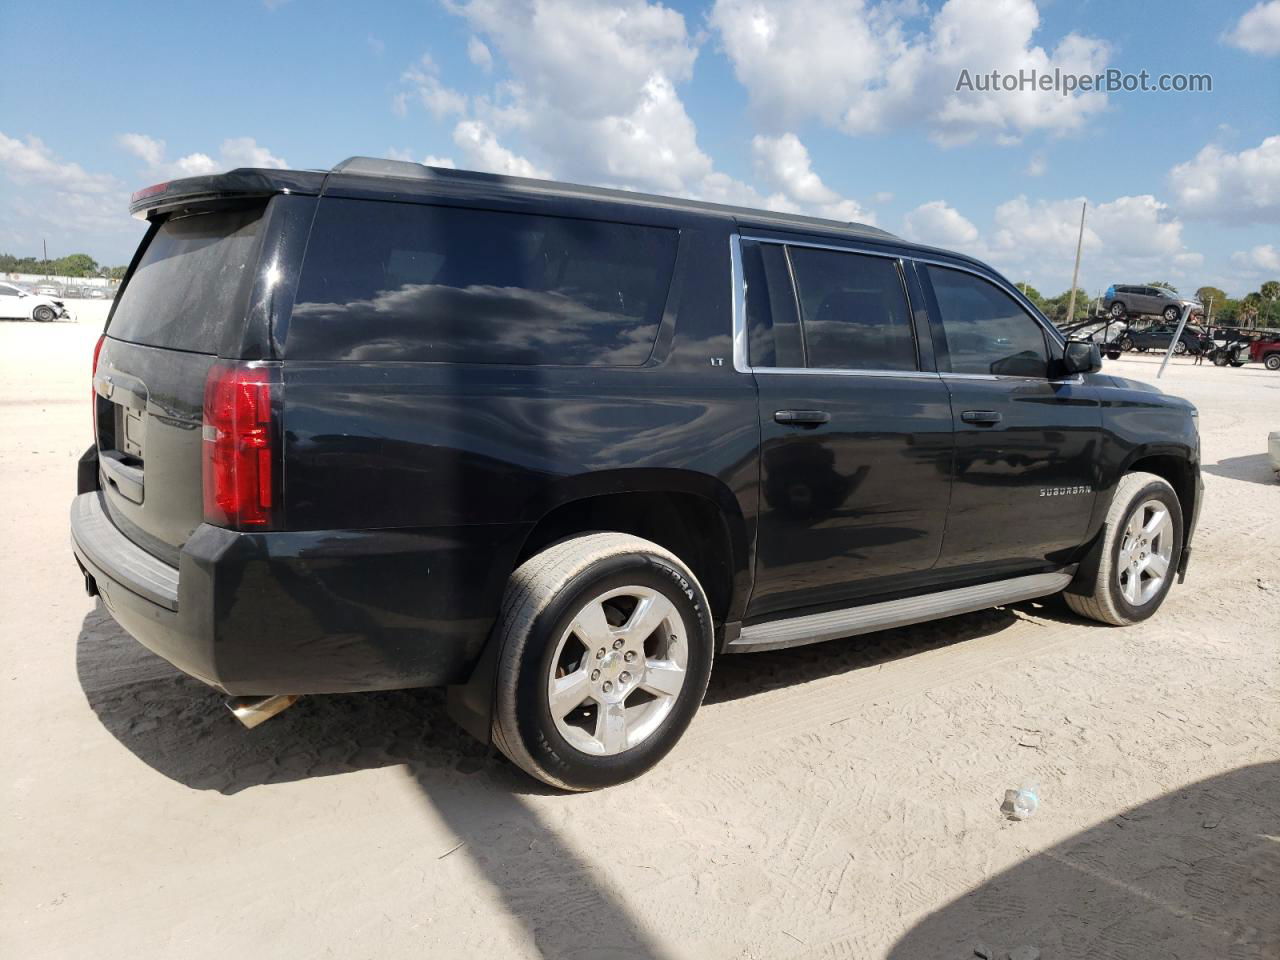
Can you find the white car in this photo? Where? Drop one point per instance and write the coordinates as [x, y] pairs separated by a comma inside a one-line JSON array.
[[18, 304]]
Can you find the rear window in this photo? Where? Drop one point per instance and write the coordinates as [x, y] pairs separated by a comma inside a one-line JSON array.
[[191, 283], [400, 281]]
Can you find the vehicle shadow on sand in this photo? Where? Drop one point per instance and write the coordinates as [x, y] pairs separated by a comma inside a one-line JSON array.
[[1255, 468], [1193, 873], [181, 728]]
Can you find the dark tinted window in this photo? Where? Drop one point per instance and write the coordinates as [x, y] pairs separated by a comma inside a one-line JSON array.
[[772, 325], [854, 310], [191, 283], [986, 329], [399, 281]]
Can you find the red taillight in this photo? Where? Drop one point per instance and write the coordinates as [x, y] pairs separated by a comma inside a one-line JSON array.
[[150, 191], [239, 445], [93, 391]]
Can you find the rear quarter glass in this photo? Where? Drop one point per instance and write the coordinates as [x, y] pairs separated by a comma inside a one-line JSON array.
[[191, 282], [414, 282]]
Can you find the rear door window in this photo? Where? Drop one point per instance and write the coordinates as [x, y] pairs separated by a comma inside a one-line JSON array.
[[192, 282], [987, 331], [402, 281], [854, 311]]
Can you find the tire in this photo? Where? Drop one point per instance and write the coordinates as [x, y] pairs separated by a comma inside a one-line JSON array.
[[1220, 360], [1118, 592], [1117, 310], [1113, 354], [43, 314], [1172, 314], [1126, 344], [1272, 362], [1180, 348], [564, 614]]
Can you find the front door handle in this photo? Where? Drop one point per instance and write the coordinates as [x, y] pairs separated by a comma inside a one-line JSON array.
[[986, 417], [802, 418]]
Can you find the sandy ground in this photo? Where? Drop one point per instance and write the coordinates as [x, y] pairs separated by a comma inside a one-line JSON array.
[[835, 801]]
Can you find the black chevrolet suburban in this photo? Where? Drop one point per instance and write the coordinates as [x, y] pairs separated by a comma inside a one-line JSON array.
[[557, 448]]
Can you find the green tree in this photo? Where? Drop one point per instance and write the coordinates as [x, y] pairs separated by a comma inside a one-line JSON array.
[[1270, 292], [76, 265], [1207, 295], [1163, 283]]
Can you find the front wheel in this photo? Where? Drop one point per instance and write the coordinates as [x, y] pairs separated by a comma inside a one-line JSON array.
[[1172, 314], [1126, 344], [1272, 362], [42, 313], [606, 649], [1180, 347], [1137, 554]]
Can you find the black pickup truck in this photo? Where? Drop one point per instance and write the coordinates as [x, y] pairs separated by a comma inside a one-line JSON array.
[[557, 448]]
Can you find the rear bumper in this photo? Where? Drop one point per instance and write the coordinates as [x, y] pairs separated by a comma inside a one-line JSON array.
[[307, 612]]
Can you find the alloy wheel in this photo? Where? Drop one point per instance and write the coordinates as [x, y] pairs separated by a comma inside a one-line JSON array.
[[618, 670], [1146, 552]]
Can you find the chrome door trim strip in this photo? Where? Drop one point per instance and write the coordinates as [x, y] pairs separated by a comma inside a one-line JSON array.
[[834, 624]]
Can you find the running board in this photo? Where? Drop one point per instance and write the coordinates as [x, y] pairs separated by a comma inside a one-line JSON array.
[[834, 624]]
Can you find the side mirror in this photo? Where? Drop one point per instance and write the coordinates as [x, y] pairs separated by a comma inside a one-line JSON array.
[[1081, 356]]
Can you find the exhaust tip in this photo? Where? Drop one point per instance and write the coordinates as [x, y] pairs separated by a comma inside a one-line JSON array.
[[252, 711]]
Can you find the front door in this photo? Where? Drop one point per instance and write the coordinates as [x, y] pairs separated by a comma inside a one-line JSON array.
[[856, 438], [1027, 457]]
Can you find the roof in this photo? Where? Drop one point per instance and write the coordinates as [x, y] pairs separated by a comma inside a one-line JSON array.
[[405, 170]]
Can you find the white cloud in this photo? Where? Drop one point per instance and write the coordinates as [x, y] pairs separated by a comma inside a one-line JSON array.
[[1258, 31], [593, 88], [433, 161], [865, 67], [33, 162], [1231, 187], [1129, 237], [423, 80], [1264, 258], [234, 152], [783, 163], [941, 225], [479, 54], [74, 209], [1037, 165], [247, 152], [147, 149], [484, 152]]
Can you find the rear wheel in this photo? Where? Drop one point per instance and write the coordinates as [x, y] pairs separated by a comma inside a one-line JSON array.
[[606, 651], [1180, 347], [1272, 362], [1117, 311], [1138, 553], [42, 313], [1126, 344]]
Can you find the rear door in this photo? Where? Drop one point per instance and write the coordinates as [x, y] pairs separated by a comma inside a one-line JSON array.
[[183, 304], [1027, 442], [856, 434]]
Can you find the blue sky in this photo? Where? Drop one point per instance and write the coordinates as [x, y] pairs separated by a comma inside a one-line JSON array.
[[838, 108]]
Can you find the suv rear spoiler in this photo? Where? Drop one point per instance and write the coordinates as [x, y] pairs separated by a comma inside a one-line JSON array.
[[246, 183]]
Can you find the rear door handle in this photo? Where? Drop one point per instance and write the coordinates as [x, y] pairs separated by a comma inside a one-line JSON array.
[[980, 416], [802, 418]]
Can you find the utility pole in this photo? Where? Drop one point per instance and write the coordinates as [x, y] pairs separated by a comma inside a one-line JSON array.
[[1075, 274], [45, 245]]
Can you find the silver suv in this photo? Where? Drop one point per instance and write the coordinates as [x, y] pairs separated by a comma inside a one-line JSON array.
[[1128, 300]]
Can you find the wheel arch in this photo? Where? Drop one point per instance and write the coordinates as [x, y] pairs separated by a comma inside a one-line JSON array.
[[1175, 466], [695, 516]]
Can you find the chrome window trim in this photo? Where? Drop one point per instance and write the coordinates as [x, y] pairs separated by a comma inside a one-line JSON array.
[[740, 359], [1004, 287]]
